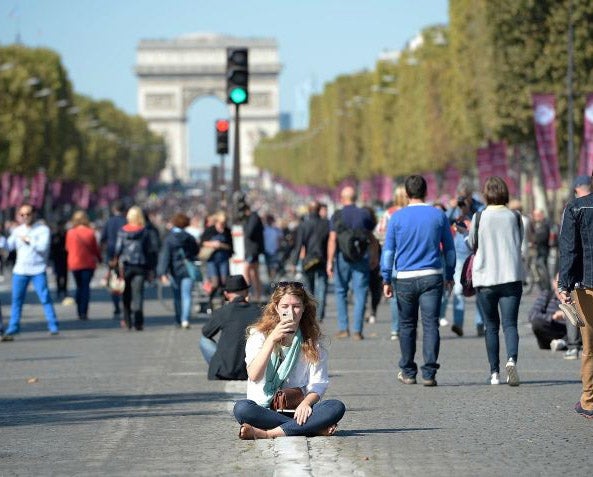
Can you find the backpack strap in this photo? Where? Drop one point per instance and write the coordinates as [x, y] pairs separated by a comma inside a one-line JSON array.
[[478, 215]]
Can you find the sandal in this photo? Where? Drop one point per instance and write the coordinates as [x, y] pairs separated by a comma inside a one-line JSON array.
[[247, 432]]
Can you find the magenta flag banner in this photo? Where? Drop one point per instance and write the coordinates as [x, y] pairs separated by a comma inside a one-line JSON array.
[[582, 159], [451, 178], [500, 166], [432, 188], [5, 197], [544, 107], [17, 191], [38, 184], [484, 165], [383, 186], [586, 163], [365, 189]]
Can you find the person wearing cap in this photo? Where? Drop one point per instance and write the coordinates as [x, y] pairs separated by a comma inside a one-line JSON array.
[[226, 358], [575, 284]]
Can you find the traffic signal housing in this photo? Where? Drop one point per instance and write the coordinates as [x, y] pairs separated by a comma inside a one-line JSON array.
[[237, 76], [222, 136]]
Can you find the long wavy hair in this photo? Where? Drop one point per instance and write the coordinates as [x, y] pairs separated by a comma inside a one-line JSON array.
[[308, 324]]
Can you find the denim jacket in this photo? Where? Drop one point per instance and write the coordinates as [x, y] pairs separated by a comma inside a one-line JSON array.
[[576, 244]]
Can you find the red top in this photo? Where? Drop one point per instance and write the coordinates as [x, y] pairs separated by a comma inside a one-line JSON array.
[[82, 247]]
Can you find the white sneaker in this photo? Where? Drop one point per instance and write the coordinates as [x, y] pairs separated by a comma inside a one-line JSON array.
[[512, 374], [372, 319], [185, 324], [558, 345], [494, 378], [394, 336], [443, 322]]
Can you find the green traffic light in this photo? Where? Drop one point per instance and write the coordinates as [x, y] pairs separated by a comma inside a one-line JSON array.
[[238, 95]]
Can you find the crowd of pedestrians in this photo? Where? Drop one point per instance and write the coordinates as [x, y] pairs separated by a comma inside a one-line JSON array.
[[408, 257]]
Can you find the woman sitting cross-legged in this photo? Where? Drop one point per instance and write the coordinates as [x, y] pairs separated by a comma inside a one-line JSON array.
[[283, 351]]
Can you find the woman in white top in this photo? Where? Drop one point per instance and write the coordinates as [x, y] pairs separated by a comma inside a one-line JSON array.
[[283, 350], [497, 275]]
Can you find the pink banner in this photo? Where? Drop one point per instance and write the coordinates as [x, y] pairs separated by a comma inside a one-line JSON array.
[[451, 178], [432, 188], [544, 107], [37, 195], [365, 193], [5, 198], [484, 165], [586, 162], [17, 191], [383, 186]]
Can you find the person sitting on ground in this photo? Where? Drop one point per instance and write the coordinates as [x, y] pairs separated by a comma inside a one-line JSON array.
[[285, 353], [547, 320], [226, 358]]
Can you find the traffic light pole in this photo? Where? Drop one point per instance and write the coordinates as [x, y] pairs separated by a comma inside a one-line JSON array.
[[221, 181], [236, 155]]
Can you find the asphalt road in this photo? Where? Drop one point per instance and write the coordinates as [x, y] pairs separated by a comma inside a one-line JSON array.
[[98, 400]]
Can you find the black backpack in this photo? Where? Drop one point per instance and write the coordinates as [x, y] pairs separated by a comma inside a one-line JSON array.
[[353, 243]]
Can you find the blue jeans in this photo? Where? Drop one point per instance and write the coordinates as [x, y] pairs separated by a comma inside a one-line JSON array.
[[424, 293], [508, 297], [459, 300], [317, 284], [325, 413], [182, 298], [19, 291], [358, 273], [394, 311], [208, 348], [83, 290]]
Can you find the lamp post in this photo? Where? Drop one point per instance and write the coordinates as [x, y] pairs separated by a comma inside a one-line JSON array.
[[570, 97]]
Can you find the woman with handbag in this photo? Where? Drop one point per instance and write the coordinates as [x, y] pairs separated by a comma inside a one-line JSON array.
[[216, 249], [497, 275], [179, 248], [286, 362], [83, 256]]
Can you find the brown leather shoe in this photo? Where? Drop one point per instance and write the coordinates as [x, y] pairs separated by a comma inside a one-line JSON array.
[[357, 336], [342, 335]]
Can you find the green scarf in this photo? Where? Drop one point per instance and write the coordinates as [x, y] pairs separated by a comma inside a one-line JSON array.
[[277, 371]]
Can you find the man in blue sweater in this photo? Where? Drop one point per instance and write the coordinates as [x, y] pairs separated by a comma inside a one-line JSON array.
[[411, 265]]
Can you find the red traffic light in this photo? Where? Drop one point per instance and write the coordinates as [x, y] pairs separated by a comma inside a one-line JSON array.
[[222, 125]]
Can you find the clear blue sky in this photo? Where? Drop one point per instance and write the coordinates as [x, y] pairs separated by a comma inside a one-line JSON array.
[[318, 40]]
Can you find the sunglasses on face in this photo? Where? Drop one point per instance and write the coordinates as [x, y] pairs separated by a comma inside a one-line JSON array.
[[288, 284]]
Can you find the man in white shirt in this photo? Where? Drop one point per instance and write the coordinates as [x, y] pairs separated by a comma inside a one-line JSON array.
[[31, 241]]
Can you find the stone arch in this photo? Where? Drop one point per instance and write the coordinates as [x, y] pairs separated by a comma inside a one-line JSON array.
[[172, 74]]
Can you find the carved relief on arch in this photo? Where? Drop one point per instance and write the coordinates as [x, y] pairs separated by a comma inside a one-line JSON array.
[[159, 101]]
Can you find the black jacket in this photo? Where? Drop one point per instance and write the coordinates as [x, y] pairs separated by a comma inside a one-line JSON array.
[[312, 233], [254, 235], [177, 245], [231, 321], [575, 244]]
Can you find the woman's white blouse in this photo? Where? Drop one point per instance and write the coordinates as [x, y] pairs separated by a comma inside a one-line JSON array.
[[310, 377]]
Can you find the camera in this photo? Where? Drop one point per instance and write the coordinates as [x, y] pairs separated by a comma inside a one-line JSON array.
[[461, 202]]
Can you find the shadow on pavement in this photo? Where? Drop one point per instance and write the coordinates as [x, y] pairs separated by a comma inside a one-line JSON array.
[[363, 432], [91, 407]]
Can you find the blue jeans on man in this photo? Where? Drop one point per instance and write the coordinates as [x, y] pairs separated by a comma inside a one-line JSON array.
[[19, 291], [357, 273], [83, 291], [317, 285], [182, 298], [422, 293], [507, 296]]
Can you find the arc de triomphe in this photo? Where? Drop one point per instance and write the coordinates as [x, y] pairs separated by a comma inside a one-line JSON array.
[[174, 73]]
